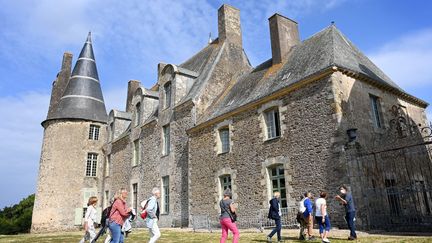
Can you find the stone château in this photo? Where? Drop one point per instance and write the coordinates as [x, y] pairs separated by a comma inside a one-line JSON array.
[[316, 115]]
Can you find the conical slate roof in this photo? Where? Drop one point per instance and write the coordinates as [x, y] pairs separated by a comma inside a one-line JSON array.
[[83, 98]]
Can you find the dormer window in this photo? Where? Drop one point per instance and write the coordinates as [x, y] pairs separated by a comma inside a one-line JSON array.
[[138, 113], [167, 92]]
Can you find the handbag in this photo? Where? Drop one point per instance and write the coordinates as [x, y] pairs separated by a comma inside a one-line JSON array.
[[232, 215]]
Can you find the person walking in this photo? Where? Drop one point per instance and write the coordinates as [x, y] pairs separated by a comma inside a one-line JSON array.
[[228, 217], [118, 214], [322, 217], [89, 220], [152, 218], [347, 200], [308, 215], [275, 213]]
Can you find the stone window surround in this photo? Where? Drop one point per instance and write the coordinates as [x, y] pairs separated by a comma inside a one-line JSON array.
[[91, 165], [263, 108], [266, 182], [135, 100], [136, 152], [167, 78], [218, 190], [163, 144], [134, 181], [166, 104], [162, 198], [381, 110], [94, 132], [218, 142]]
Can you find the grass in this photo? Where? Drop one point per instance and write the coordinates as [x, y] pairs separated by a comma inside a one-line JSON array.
[[185, 235]]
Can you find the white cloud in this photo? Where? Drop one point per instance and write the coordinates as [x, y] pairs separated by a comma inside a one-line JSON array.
[[20, 145], [407, 60]]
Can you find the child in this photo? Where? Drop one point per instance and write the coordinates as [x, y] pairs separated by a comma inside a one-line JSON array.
[[89, 219]]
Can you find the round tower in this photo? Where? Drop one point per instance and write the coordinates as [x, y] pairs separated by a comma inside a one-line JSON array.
[[71, 160]]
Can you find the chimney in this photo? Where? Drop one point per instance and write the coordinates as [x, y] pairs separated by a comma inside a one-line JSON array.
[[60, 83], [283, 36], [229, 25], [133, 85]]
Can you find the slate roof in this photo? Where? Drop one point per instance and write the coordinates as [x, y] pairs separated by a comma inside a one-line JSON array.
[[83, 98], [202, 63], [321, 51]]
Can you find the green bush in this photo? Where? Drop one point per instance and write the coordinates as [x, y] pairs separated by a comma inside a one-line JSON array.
[[17, 219]]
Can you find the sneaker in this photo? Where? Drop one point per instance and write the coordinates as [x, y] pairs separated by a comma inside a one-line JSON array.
[[269, 239], [352, 238], [302, 237], [326, 240], [311, 237]]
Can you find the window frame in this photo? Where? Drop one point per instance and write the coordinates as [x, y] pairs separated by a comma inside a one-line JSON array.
[[94, 132], [167, 94], [165, 195], [225, 142], [166, 139], [280, 188], [273, 126], [137, 113], [225, 184], [134, 200], [375, 104], [91, 165], [136, 154]]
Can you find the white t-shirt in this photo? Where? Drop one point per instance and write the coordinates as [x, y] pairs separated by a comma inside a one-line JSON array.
[[90, 216], [318, 203]]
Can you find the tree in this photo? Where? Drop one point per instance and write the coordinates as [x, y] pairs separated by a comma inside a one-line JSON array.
[[17, 219]]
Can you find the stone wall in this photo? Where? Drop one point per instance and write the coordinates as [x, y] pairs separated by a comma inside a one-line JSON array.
[[304, 149], [62, 175]]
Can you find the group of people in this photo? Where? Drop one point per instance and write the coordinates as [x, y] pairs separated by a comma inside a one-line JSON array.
[[118, 216], [305, 214]]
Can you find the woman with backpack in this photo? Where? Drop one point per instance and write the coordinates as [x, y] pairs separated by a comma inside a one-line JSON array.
[[118, 214], [228, 217], [89, 219]]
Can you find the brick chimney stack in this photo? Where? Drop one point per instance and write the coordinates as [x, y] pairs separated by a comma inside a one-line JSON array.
[[283, 36]]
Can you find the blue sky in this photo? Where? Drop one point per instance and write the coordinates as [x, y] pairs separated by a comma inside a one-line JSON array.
[[130, 37]]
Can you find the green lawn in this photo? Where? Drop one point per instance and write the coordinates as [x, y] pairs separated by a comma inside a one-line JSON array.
[[177, 235]]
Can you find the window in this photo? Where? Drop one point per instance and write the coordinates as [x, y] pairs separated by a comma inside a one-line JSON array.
[[94, 132], [112, 131], [106, 199], [166, 140], [375, 111], [272, 122], [225, 181], [136, 153], [167, 90], [107, 165], [137, 113], [91, 164], [277, 179], [224, 140], [135, 196], [165, 194]]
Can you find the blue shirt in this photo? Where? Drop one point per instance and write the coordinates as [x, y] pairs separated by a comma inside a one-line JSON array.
[[308, 205], [349, 206]]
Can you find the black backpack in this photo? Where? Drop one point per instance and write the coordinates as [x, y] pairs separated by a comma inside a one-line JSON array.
[[105, 216]]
